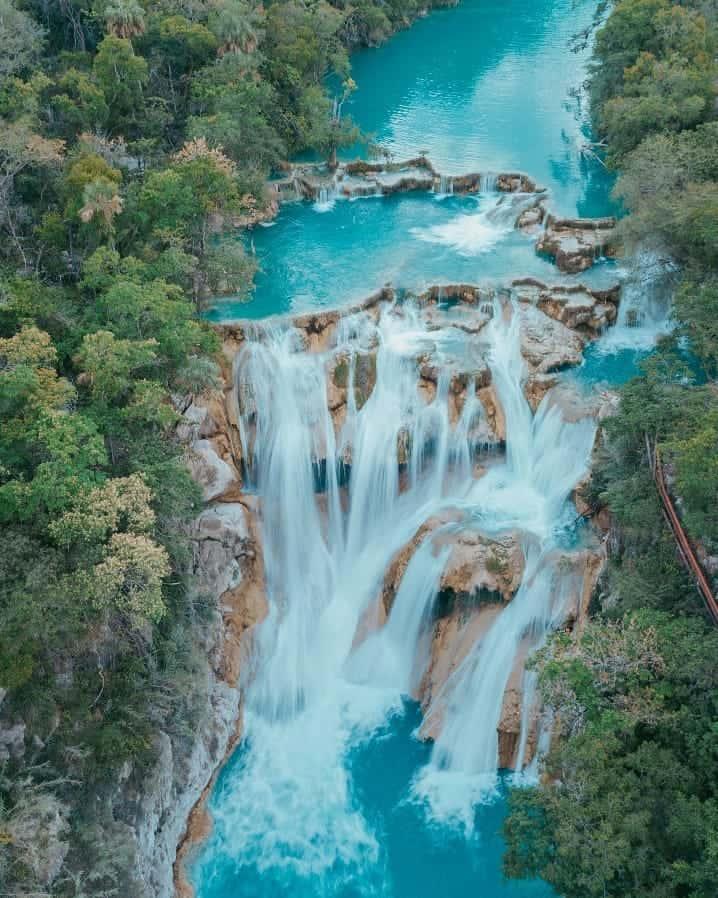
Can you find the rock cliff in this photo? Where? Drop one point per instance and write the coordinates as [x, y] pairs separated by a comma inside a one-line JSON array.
[[481, 575]]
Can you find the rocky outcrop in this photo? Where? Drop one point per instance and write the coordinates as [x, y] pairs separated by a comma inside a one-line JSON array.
[[479, 570], [504, 182], [212, 447], [461, 625], [575, 243], [480, 567], [454, 636], [586, 311], [152, 811], [531, 220], [315, 181], [546, 344]]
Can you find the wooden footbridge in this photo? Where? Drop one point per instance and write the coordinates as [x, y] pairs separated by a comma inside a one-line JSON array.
[[685, 549]]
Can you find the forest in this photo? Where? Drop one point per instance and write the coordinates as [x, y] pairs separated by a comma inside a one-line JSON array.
[[629, 801], [134, 138]]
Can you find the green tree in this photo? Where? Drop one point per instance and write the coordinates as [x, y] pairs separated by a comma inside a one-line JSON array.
[[629, 805], [76, 104], [237, 26], [21, 39], [122, 77]]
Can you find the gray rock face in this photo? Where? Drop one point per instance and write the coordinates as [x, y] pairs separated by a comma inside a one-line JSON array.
[[156, 809], [211, 472], [152, 811]]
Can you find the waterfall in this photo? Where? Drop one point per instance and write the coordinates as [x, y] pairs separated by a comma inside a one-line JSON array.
[[396, 656], [327, 195], [318, 682], [528, 706], [546, 457], [445, 186], [325, 559], [644, 310], [487, 182], [464, 764]]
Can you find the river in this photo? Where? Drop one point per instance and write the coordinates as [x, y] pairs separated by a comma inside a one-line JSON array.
[[331, 792]]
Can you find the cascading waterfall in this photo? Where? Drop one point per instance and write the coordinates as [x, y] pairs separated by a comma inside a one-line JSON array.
[[396, 655], [546, 457], [643, 315], [464, 763], [487, 183], [362, 473], [445, 187], [327, 196], [316, 688], [529, 683], [305, 703]]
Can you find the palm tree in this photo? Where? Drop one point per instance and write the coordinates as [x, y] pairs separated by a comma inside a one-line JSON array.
[[101, 201], [125, 18], [237, 27]]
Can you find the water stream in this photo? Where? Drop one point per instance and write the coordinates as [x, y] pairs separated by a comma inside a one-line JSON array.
[[332, 792]]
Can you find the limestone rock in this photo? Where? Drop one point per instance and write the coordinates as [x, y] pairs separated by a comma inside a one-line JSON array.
[[454, 636], [537, 386], [576, 243], [479, 564], [227, 564], [12, 741], [479, 568], [581, 309], [494, 412], [211, 472], [547, 344], [213, 452], [37, 826], [530, 220]]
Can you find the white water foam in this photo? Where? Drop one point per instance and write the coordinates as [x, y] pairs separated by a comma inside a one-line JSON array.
[[644, 313], [475, 233], [314, 692]]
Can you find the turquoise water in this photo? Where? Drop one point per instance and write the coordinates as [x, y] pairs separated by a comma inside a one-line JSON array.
[[484, 86], [416, 860], [310, 259], [487, 86]]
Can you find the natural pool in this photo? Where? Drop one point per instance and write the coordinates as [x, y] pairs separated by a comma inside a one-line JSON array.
[[486, 86], [416, 860], [491, 86]]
